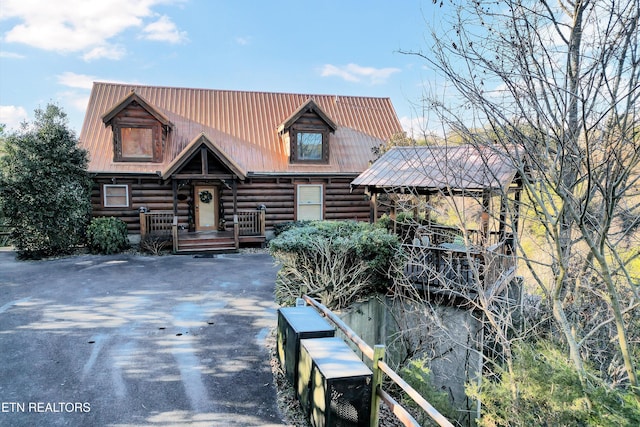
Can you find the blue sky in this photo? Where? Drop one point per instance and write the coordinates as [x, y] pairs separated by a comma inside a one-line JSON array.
[[52, 51]]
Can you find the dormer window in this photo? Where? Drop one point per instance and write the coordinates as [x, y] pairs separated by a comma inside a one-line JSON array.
[[136, 144], [306, 134], [140, 131], [309, 146]]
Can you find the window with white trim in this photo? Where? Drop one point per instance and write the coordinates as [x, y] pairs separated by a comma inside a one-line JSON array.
[[309, 202], [115, 195]]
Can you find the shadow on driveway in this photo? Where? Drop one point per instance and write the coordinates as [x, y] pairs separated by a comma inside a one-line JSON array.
[[128, 340]]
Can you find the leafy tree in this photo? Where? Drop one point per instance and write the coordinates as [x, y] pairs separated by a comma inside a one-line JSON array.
[[44, 186]]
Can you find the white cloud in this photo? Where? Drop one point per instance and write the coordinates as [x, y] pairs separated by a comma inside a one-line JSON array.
[[114, 52], [78, 81], [356, 73], [76, 99], [243, 41], [164, 30], [79, 25], [12, 116], [11, 55]]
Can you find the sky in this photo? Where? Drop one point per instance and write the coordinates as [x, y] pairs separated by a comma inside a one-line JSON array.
[[52, 51]]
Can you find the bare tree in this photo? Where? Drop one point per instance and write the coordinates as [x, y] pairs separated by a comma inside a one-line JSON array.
[[557, 84]]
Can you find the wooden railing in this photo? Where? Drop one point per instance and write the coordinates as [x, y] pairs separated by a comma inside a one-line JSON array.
[[251, 223], [156, 223], [456, 267], [248, 223], [376, 355]]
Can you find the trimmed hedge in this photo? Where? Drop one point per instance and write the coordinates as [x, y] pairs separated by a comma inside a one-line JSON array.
[[324, 256]]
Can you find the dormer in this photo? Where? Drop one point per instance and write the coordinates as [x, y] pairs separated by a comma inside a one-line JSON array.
[[140, 131], [306, 134]]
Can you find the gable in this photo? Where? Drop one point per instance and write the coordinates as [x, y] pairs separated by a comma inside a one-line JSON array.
[[139, 132], [133, 101], [310, 115], [202, 158]]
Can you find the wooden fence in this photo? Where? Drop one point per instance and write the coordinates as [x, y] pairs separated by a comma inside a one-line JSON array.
[[376, 355]]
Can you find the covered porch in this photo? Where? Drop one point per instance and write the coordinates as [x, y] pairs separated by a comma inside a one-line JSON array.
[[247, 230], [456, 210], [204, 180]]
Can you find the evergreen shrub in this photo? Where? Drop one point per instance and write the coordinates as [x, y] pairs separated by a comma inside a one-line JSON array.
[[107, 235], [336, 261]]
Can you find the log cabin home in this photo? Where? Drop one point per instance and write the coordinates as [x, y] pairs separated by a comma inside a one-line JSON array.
[[217, 169]]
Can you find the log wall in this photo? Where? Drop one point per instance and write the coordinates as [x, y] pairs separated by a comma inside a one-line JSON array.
[[276, 193]]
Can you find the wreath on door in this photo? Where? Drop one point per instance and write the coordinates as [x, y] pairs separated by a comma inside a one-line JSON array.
[[205, 196]]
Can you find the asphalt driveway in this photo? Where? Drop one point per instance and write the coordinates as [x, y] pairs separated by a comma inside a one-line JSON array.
[[129, 340]]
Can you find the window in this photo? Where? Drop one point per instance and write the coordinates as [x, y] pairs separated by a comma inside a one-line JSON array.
[[309, 146], [115, 196], [309, 202], [137, 143]]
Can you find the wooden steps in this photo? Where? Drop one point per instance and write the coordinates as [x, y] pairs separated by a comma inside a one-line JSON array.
[[213, 242], [206, 242]]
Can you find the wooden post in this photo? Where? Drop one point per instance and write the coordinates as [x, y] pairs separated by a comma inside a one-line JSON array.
[[174, 233], [234, 190], [236, 231], [174, 188], [376, 384], [373, 208], [263, 229], [484, 219], [143, 225]]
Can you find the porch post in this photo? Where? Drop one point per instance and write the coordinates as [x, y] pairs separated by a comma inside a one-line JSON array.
[[235, 196], [484, 220], [373, 208], [174, 185]]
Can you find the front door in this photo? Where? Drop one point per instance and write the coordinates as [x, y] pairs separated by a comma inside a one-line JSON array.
[[206, 207]]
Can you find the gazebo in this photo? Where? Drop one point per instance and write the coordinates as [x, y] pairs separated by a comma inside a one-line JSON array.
[[471, 255]]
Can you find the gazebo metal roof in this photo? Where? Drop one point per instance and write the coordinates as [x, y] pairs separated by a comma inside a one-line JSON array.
[[432, 169]]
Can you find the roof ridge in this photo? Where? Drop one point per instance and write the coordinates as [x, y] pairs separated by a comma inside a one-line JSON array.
[[307, 94]]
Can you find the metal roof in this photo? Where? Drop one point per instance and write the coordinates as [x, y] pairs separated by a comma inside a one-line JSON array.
[[244, 125], [432, 169]]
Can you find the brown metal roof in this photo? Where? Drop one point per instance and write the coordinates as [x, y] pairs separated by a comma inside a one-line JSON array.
[[244, 125], [437, 168]]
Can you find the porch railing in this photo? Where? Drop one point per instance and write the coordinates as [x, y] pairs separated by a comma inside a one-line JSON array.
[[251, 223], [457, 267], [156, 223]]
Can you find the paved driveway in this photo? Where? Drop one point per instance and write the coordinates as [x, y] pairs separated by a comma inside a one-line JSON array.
[[131, 340]]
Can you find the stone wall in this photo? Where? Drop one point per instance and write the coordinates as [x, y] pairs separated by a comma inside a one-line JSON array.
[[447, 336]]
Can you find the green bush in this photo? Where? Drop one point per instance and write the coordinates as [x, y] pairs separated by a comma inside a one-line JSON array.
[[544, 389], [336, 261], [107, 235], [281, 227]]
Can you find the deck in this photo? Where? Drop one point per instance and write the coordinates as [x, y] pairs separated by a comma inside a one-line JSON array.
[[457, 269]]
